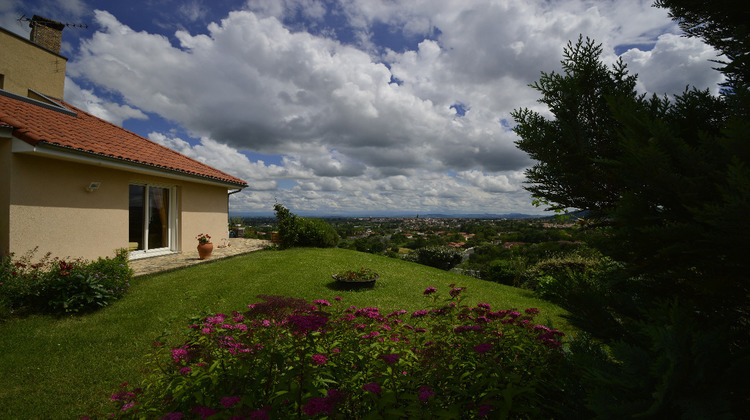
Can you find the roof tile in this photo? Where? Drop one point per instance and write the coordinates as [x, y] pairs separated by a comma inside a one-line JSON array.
[[84, 132]]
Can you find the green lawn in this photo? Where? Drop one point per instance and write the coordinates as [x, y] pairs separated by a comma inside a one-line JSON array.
[[67, 367]]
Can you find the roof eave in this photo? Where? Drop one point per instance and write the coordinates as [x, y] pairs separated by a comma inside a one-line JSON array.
[[75, 155]]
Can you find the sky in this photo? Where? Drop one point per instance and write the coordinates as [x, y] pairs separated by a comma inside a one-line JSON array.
[[351, 107]]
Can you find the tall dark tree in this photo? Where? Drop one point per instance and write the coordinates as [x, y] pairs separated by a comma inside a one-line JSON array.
[[670, 180], [723, 24]]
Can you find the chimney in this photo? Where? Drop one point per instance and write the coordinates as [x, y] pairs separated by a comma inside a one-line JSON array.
[[46, 33]]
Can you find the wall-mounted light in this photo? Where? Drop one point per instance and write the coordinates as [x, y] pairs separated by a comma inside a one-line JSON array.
[[93, 186]]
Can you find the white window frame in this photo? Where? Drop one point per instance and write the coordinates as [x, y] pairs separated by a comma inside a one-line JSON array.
[[172, 237]]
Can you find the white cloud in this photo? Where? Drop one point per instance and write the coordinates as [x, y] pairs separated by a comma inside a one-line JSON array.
[[88, 101], [350, 138]]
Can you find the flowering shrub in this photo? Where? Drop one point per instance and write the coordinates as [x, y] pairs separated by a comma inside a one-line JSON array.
[[203, 238], [61, 285], [363, 274], [285, 357]]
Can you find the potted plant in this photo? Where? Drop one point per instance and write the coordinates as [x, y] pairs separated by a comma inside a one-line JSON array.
[[205, 247], [364, 277]]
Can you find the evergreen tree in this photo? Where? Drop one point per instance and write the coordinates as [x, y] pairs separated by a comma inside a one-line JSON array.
[[670, 180]]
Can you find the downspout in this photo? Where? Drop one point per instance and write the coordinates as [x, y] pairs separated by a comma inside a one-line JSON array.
[[228, 194]]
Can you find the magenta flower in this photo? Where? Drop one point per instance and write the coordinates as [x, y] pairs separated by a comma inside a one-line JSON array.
[[484, 410], [482, 348], [425, 393], [180, 354], [306, 323], [173, 416], [372, 387], [228, 402], [319, 359], [430, 290], [322, 302], [185, 371], [390, 358], [456, 291], [259, 415], [127, 406], [484, 305], [204, 412], [338, 299], [421, 313], [532, 311]]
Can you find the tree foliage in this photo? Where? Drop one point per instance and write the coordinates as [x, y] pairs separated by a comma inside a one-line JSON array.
[[300, 231], [670, 182]]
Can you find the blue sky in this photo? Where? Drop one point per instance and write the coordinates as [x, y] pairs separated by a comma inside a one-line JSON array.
[[350, 106]]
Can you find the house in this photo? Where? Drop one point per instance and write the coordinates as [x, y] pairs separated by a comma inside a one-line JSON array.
[[77, 186]]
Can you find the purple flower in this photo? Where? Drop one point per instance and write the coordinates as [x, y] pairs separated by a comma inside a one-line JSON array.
[[425, 393], [532, 311], [305, 323], [483, 348], [319, 359], [173, 416], [185, 371], [456, 291], [462, 328], [430, 290], [322, 405], [204, 412], [372, 387], [484, 410], [390, 358], [484, 305], [228, 402], [338, 299], [322, 302], [180, 354], [259, 415], [421, 313], [127, 406]]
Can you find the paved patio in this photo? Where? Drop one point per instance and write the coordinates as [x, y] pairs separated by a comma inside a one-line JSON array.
[[237, 246]]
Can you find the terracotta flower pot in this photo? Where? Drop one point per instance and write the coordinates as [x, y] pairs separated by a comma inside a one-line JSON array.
[[205, 250]]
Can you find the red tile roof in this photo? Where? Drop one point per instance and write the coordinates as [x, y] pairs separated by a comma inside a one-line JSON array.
[[42, 125]]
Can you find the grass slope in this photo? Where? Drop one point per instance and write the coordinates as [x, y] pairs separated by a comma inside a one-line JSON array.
[[67, 367]]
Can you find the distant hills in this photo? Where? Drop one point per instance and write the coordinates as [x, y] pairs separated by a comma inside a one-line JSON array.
[[486, 216]]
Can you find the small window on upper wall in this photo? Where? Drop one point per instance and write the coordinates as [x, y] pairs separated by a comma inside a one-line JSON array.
[[2, 81]]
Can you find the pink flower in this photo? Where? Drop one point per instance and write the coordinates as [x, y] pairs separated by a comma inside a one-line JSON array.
[[127, 406], [259, 415], [484, 305], [319, 359], [322, 302], [430, 290], [180, 354], [421, 313], [228, 402], [306, 323], [483, 348], [338, 299], [391, 358], [185, 371], [425, 393], [173, 416], [372, 387], [532, 311], [204, 412]]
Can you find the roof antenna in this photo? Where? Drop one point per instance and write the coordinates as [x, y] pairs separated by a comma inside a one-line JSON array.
[[31, 21]]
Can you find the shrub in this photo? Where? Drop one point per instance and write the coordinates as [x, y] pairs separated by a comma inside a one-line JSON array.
[[285, 357], [52, 284], [300, 231], [441, 257]]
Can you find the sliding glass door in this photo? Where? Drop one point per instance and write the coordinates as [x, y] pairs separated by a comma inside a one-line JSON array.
[[151, 225]]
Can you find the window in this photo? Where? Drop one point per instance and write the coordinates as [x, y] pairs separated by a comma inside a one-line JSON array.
[[152, 219]]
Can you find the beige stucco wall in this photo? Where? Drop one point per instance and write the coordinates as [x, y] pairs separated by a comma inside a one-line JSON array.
[[50, 208], [5, 146], [27, 66]]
